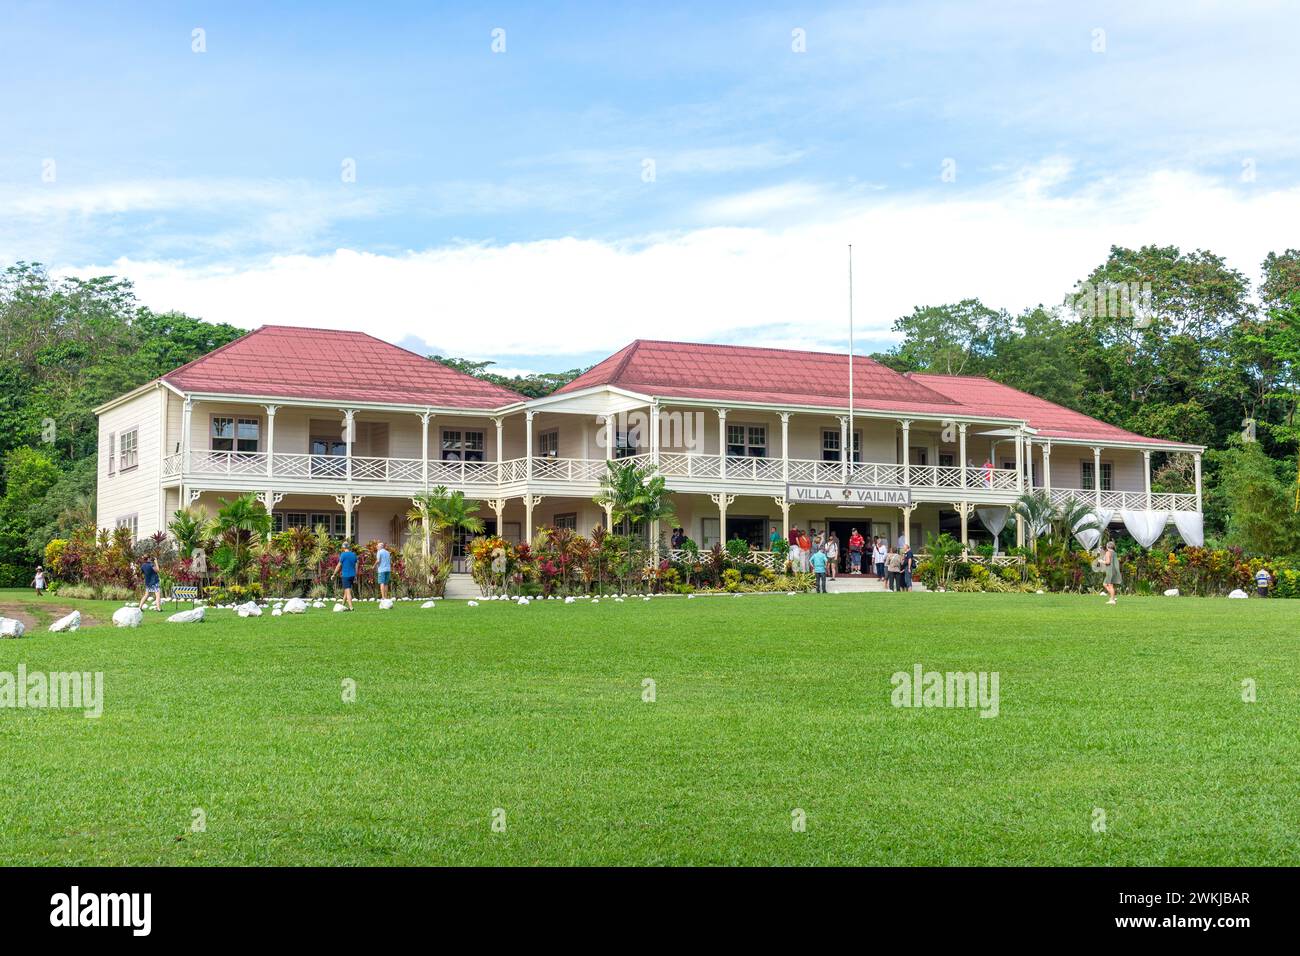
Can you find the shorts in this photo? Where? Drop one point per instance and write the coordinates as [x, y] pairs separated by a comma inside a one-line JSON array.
[[348, 582], [385, 577], [154, 589]]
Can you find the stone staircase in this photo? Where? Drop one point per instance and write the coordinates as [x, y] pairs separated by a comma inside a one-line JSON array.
[[861, 584]]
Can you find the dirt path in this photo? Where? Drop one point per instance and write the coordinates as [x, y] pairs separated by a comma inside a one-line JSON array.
[[28, 612]]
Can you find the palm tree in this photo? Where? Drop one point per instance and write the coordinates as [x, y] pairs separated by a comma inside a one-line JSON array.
[[190, 529], [635, 494], [1036, 508], [1059, 524], [238, 523], [1075, 516], [445, 514]]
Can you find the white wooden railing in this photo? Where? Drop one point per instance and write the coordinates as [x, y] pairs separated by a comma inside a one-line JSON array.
[[1126, 500]]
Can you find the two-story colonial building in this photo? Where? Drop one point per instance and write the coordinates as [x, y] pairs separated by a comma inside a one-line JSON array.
[[342, 429]]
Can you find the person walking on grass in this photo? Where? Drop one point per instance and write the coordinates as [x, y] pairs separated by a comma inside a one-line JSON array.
[[152, 583], [39, 582], [819, 569], [1110, 565], [383, 570], [347, 572]]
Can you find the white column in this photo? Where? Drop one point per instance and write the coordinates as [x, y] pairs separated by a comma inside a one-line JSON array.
[[1196, 465], [424, 449], [1020, 461], [907, 452], [722, 501], [528, 458], [722, 443], [530, 502], [611, 436], [784, 505], [349, 429], [187, 417], [1047, 469], [844, 449], [1029, 461], [961, 454], [270, 439], [499, 422], [785, 454], [1146, 475], [963, 509], [1096, 476], [349, 501], [654, 434]]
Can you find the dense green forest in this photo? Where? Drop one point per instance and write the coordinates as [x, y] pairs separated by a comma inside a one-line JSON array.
[[1163, 342]]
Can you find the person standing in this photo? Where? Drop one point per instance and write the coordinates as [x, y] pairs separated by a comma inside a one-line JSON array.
[[805, 552], [894, 568], [347, 572], [833, 553], [879, 555], [856, 544], [819, 569], [1263, 581], [152, 583], [773, 539], [909, 566], [38, 582], [383, 570], [1110, 565]]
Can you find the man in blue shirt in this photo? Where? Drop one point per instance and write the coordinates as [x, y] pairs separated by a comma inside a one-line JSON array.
[[347, 570], [383, 569], [819, 569], [152, 583]]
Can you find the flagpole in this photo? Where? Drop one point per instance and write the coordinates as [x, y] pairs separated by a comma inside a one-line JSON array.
[[849, 451]]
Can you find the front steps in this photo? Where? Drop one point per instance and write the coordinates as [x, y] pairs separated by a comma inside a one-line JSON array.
[[862, 583], [462, 587]]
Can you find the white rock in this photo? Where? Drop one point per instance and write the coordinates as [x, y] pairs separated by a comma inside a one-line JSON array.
[[522, 602], [69, 623], [428, 604], [318, 604], [618, 600], [386, 604], [689, 596], [1039, 591], [569, 599], [1172, 592], [187, 617], [276, 612], [339, 607], [11, 627], [295, 606], [1238, 593], [128, 617], [249, 610], [471, 603], [595, 600]]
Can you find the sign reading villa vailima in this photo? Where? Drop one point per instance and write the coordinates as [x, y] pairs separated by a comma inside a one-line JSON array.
[[848, 495]]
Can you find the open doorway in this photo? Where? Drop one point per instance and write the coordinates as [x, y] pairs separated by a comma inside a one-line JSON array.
[[844, 530], [751, 530]]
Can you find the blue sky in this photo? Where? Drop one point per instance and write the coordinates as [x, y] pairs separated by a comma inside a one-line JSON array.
[[501, 205]]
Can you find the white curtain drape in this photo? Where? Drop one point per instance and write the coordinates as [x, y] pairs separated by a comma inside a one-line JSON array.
[[1145, 526], [1089, 537], [1191, 526], [995, 519]]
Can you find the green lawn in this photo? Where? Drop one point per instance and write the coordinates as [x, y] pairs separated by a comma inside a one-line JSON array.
[[764, 704]]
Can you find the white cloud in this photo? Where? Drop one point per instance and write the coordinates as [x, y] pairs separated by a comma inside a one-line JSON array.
[[1024, 241]]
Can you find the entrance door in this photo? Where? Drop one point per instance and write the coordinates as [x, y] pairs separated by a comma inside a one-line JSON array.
[[328, 457], [844, 530], [752, 530]]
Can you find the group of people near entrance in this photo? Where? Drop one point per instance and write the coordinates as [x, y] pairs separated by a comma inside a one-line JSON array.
[[819, 553]]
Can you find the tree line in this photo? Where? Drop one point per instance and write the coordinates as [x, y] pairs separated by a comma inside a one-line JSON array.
[[1156, 340]]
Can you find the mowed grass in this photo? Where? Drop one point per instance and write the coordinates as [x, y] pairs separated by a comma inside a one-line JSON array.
[[765, 705]]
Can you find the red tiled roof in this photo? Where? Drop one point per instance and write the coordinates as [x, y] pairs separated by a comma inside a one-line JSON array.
[[1047, 418], [742, 373], [281, 361]]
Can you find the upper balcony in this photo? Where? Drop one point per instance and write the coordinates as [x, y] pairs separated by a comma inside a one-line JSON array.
[[581, 476]]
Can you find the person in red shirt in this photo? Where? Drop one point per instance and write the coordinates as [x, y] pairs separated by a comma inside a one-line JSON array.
[[856, 543]]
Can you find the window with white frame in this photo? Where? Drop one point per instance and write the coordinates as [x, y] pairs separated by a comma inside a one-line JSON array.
[[230, 433], [129, 455], [568, 521], [548, 444], [709, 532], [132, 522], [747, 441], [112, 453], [1087, 471], [460, 445], [831, 445]]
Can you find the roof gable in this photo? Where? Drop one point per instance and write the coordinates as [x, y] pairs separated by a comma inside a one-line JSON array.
[[745, 373], [283, 361]]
